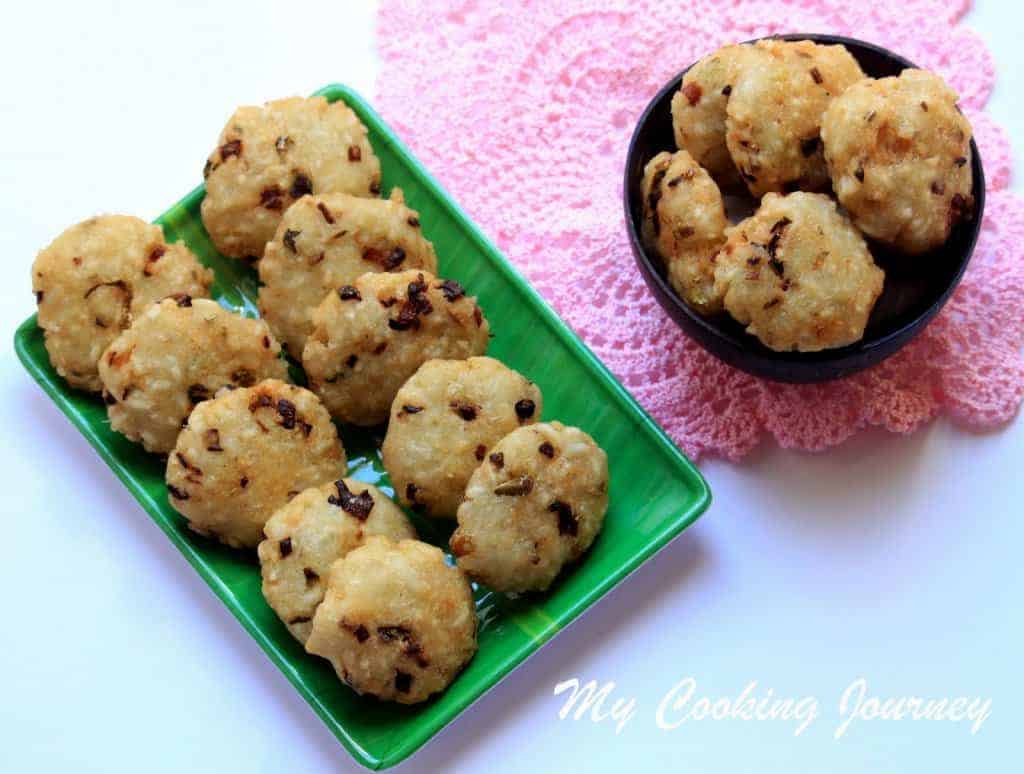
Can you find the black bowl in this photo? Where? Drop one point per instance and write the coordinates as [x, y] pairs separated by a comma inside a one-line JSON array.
[[915, 288]]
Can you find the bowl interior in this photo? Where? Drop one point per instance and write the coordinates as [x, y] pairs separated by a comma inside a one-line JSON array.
[[915, 287]]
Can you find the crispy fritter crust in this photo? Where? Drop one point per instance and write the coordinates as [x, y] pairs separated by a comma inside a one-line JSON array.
[[396, 622], [95, 278], [684, 222], [699, 108], [798, 274], [445, 420], [311, 532], [175, 356], [773, 122], [371, 336], [535, 504], [246, 453], [269, 157], [326, 242], [899, 153]]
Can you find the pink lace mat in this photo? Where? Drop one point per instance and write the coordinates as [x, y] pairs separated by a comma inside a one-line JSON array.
[[524, 111]]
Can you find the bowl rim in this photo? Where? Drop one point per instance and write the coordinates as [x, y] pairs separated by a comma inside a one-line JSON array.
[[650, 264]]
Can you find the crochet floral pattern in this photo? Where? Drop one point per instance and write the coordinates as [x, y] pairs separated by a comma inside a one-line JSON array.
[[524, 111]]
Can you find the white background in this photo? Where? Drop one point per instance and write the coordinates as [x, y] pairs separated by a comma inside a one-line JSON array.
[[895, 559]]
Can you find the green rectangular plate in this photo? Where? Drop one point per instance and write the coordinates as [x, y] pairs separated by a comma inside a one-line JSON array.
[[655, 492]]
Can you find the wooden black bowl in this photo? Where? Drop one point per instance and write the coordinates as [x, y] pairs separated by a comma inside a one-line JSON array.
[[915, 288]]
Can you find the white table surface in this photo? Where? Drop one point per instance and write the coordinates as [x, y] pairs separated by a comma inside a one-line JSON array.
[[892, 559]]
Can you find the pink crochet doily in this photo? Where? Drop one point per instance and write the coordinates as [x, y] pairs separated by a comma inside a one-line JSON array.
[[524, 110]]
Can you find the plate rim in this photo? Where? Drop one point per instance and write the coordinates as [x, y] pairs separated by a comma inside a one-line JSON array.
[[54, 387]]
